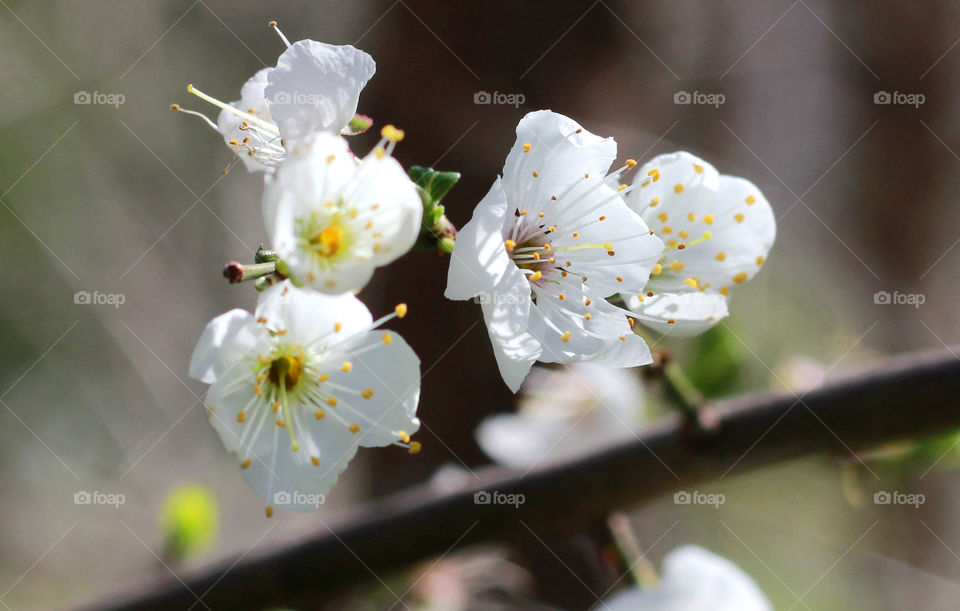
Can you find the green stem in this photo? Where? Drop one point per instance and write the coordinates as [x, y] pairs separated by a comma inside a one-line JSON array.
[[681, 389], [643, 572]]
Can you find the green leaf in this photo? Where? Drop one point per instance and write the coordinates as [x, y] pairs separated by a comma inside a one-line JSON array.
[[715, 361], [433, 183], [359, 124]]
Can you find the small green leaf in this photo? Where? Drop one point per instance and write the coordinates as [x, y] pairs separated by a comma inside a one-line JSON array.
[[358, 124], [715, 362], [435, 184]]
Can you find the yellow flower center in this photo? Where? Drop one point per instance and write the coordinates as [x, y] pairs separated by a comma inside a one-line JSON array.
[[327, 243], [287, 369]]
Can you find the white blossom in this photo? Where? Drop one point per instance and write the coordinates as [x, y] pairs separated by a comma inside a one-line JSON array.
[[717, 231], [299, 386], [694, 579], [548, 244], [333, 220]]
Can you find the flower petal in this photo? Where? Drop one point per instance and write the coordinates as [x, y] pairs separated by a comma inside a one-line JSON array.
[[692, 312], [506, 313], [303, 316], [389, 209], [225, 340], [316, 87], [693, 578], [479, 260], [382, 387], [561, 153], [291, 480], [252, 101]]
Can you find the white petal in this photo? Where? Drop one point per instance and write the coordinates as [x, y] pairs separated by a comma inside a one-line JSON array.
[[693, 579], [622, 232], [520, 442], [306, 315], [390, 210], [693, 312], [288, 479], [392, 372], [316, 87], [252, 100], [686, 184], [225, 340], [561, 153], [506, 313], [479, 260]]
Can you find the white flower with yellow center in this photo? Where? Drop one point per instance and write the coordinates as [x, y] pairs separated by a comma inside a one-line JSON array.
[[694, 579], [333, 220], [300, 385], [565, 413], [548, 244], [717, 232], [314, 87]]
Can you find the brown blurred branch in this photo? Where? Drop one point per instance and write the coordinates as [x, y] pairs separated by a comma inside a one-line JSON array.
[[907, 396]]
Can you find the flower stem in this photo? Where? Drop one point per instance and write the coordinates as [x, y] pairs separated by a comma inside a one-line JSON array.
[[681, 389], [440, 237], [237, 272], [643, 572]]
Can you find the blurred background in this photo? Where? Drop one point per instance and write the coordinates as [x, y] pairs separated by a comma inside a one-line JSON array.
[[128, 200]]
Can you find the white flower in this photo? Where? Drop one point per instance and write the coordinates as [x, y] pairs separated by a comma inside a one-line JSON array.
[[297, 387], [314, 87], [565, 413], [693, 580], [550, 241], [333, 220], [717, 230]]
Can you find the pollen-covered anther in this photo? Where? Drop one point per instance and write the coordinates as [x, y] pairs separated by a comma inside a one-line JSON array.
[[315, 460], [269, 511], [367, 393], [391, 133], [319, 414], [526, 148], [565, 337], [740, 278], [346, 367], [401, 310], [245, 464], [631, 163], [415, 447], [510, 244], [536, 276], [354, 428], [404, 436], [241, 417], [332, 401]]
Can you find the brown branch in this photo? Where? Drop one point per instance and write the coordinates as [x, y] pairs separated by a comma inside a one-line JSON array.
[[908, 396]]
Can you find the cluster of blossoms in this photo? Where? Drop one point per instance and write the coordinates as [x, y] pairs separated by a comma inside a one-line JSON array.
[[566, 258], [308, 378]]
